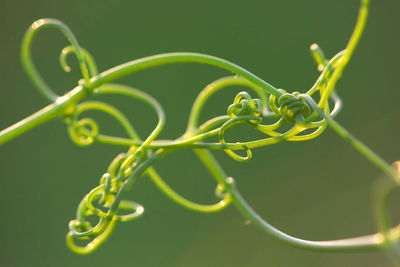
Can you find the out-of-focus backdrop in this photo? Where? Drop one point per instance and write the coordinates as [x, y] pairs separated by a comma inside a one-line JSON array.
[[318, 189]]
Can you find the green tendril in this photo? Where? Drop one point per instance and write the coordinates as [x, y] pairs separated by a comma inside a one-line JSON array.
[[291, 117], [27, 58], [91, 64]]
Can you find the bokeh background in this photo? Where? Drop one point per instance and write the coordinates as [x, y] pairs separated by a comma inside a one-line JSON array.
[[317, 189]]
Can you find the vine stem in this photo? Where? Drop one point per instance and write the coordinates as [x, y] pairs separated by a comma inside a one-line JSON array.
[[30, 66], [373, 241], [356, 143], [351, 46], [54, 110], [60, 106], [97, 84]]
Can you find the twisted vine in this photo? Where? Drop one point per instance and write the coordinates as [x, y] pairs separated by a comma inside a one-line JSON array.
[[295, 117]]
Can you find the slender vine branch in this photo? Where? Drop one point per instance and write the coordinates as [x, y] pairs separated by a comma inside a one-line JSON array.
[[293, 117]]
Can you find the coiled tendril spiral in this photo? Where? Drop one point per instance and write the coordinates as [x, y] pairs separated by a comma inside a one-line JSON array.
[[290, 106]]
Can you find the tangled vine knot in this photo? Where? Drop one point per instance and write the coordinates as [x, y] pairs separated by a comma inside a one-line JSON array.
[[305, 117], [103, 203], [290, 106], [244, 105]]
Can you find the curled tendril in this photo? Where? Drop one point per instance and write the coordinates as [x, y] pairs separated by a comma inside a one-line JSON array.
[[220, 192], [115, 165], [100, 195], [243, 105], [226, 187], [215, 87], [106, 181], [290, 106], [307, 117], [102, 202], [231, 123], [68, 50], [84, 131], [81, 229], [27, 58]]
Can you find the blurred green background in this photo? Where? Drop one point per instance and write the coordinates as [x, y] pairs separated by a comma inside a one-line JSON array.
[[317, 190]]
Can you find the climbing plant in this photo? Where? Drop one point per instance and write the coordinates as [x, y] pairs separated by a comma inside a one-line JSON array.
[[291, 116]]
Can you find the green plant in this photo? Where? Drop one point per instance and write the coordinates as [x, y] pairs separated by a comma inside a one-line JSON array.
[[299, 111]]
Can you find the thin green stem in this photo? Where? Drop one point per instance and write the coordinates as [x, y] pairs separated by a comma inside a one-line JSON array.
[[165, 188], [357, 144], [170, 58], [358, 243], [27, 58], [52, 111], [214, 87], [293, 117], [351, 46]]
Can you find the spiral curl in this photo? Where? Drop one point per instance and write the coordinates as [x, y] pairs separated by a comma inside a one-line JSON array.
[[101, 202], [83, 132], [290, 106], [230, 124], [244, 105]]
